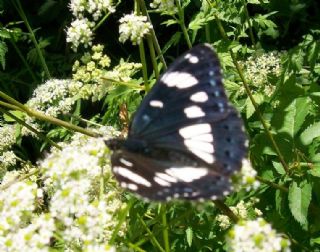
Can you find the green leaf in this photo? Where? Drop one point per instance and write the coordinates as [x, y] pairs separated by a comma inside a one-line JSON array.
[[315, 171], [17, 113], [278, 167], [189, 234], [310, 133], [290, 118], [259, 98], [316, 240], [299, 200]]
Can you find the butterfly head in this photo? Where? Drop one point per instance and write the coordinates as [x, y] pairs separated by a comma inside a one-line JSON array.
[[114, 143]]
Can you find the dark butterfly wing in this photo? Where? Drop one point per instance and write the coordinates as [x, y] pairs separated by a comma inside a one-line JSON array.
[[186, 131], [159, 180]]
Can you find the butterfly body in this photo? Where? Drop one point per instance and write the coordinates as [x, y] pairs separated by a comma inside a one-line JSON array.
[[186, 139]]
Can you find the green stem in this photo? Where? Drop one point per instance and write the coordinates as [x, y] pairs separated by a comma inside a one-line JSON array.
[[10, 106], [144, 66], [153, 34], [165, 227], [207, 31], [153, 57], [24, 61], [128, 84], [152, 237], [182, 24], [254, 103], [122, 217], [19, 8], [135, 247], [105, 17], [47, 118], [271, 184], [226, 210], [29, 127], [246, 12]]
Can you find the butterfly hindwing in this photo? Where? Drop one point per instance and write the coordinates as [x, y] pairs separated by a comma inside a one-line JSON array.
[[159, 180], [185, 139]]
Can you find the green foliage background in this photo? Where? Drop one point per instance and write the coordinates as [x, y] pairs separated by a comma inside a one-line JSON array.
[[290, 190]]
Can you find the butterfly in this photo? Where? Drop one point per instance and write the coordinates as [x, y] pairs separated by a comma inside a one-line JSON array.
[[186, 139]]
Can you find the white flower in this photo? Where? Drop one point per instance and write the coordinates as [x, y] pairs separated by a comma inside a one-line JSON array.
[[34, 237], [164, 6], [96, 8], [80, 33], [7, 159], [246, 177], [7, 136], [133, 27], [255, 236], [71, 178], [258, 68], [78, 7], [244, 210], [55, 96], [16, 204]]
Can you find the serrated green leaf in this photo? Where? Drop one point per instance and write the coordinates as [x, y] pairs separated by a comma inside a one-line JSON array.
[[299, 199], [294, 116], [189, 235], [310, 133]]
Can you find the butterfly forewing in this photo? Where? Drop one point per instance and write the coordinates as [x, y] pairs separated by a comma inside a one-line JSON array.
[[185, 139]]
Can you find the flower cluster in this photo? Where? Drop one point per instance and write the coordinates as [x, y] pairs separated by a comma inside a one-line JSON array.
[[86, 14], [255, 236], [7, 139], [92, 71], [20, 229], [259, 70], [54, 97], [80, 33], [133, 27], [96, 8], [167, 6], [244, 210], [72, 180]]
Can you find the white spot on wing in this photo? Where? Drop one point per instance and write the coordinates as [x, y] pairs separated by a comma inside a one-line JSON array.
[[192, 59], [187, 174], [199, 97], [166, 177], [204, 138], [126, 173], [179, 79], [157, 104], [203, 155], [130, 186], [194, 112], [195, 130], [126, 162], [161, 181], [198, 145]]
